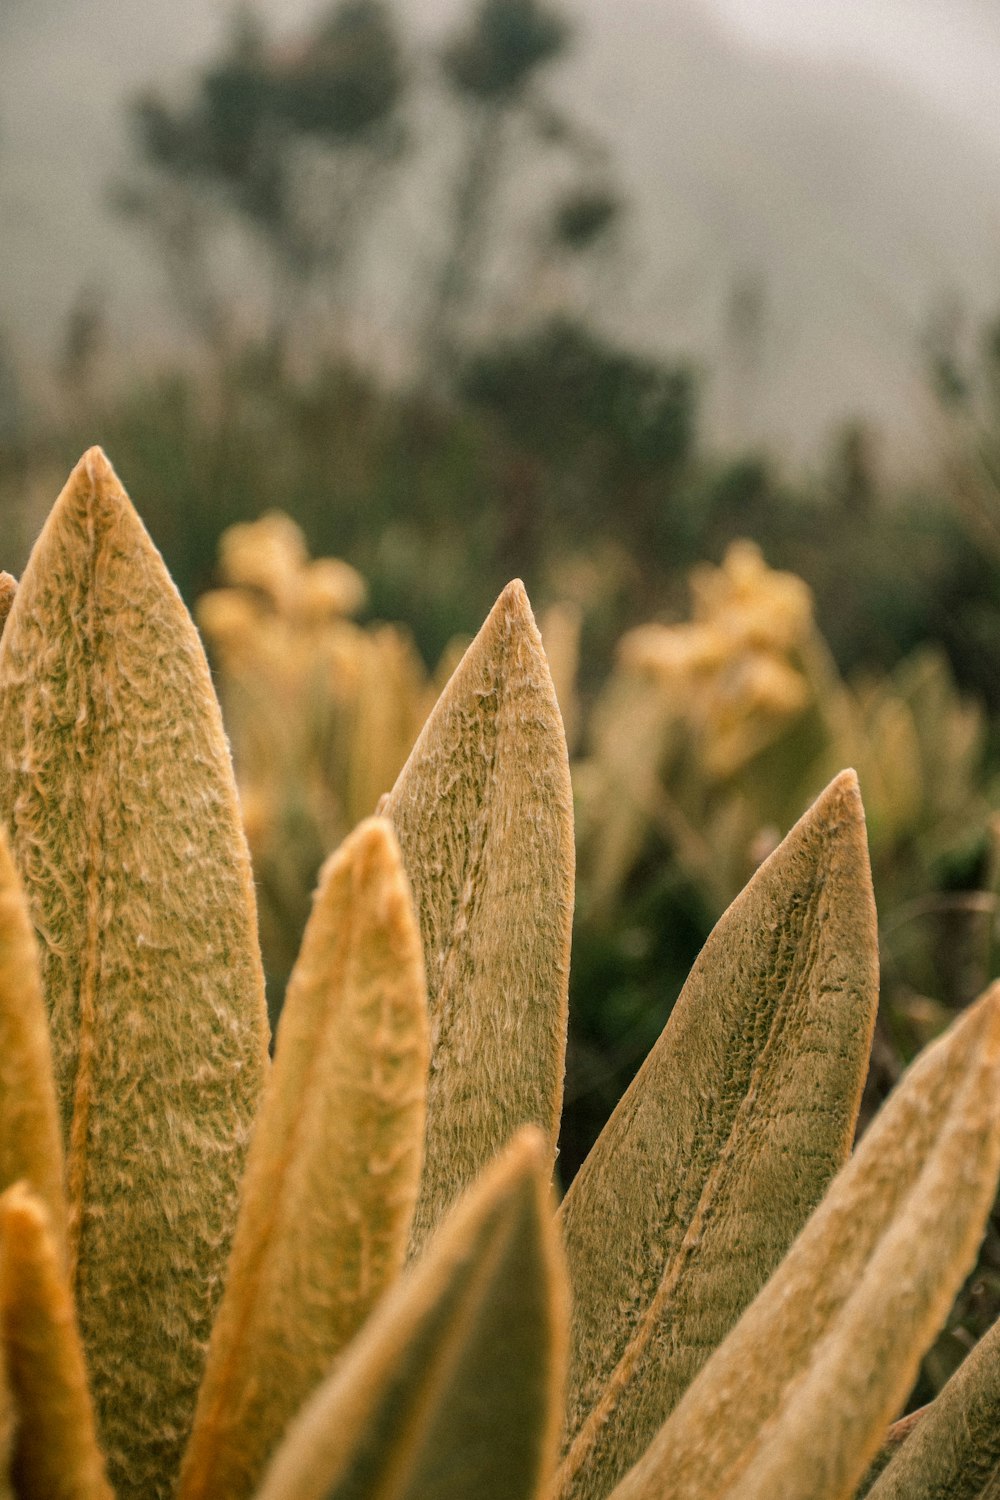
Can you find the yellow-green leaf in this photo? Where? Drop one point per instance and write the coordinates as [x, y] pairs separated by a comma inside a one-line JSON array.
[[30, 1139], [55, 1456], [454, 1388], [333, 1170], [483, 812], [953, 1450], [797, 1400], [117, 789], [725, 1142]]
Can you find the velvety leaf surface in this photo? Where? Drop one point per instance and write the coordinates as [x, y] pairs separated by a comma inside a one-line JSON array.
[[454, 1388], [953, 1451], [484, 815], [797, 1400], [333, 1170], [30, 1137], [55, 1456], [8, 588], [116, 786], [725, 1142]]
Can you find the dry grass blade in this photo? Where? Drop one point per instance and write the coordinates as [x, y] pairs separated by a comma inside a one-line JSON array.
[[725, 1142], [454, 1388], [798, 1398], [333, 1171], [483, 811], [8, 588], [953, 1451], [139, 886], [30, 1140], [55, 1456]]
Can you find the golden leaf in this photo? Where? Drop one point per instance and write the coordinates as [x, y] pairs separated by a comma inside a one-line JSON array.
[[30, 1139], [484, 816], [797, 1400], [453, 1390], [725, 1142], [333, 1170], [116, 786], [953, 1449], [55, 1453], [8, 588]]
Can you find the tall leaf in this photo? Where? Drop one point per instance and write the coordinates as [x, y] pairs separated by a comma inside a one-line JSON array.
[[454, 1388], [798, 1398], [333, 1170], [55, 1451], [725, 1142], [953, 1451], [483, 813], [116, 785], [30, 1138]]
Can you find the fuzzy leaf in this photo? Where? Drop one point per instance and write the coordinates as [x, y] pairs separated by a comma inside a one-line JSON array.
[[334, 1166], [484, 816], [55, 1448], [725, 1142], [953, 1450], [8, 588], [116, 785], [30, 1138], [798, 1398], [454, 1388]]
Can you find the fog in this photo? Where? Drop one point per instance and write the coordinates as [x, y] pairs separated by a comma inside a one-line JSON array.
[[843, 159]]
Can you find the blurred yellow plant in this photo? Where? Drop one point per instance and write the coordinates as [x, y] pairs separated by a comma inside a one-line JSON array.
[[321, 712], [711, 733]]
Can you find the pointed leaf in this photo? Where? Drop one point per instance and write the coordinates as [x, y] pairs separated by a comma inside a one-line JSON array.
[[798, 1398], [953, 1451], [334, 1166], [117, 789], [454, 1388], [483, 813], [30, 1138], [725, 1142], [55, 1448]]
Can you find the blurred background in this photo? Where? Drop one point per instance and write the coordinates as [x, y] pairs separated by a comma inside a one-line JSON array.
[[685, 311]]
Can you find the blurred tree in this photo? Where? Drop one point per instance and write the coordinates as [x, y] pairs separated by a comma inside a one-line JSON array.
[[492, 68], [296, 141]]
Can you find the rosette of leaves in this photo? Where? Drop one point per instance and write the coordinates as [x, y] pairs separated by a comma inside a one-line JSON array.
[[340, 1276]]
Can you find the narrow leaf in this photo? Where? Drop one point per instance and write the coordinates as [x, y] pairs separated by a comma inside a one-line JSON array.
[[483, 813], [55, 1446], [454, 1388], [116, 785], [8, 588], [334, 1166], [725, 1142], [30, 1137], [953, 1451], [797, 1400]]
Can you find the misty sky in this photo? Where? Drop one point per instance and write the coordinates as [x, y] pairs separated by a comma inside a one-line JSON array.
[[844, 155]]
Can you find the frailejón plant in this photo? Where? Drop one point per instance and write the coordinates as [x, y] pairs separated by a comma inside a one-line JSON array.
[[204, 1288]]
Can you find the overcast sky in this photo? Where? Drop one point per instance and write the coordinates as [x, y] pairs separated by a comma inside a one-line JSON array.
[[846, 153]]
